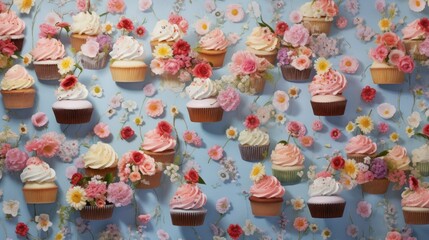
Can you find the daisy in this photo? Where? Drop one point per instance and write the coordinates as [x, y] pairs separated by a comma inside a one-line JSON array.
[[350, 127], [23, 129], [314, 228], [257, 172], [27, 59], [280, 118], [174, 111], [65, 65], [410, 131], [138, 120], [322, 65], [386, 110], [384, 24], [107, 28], [202, 26], [231, 133], [97, 91], [24, 6], [326, 233], [76, 197], [293, 92], [234, 12], [365, 124], [297, 203], [59, 236], [350, 168], [154, 108], [394, 137], [163, 50], [43, 222]]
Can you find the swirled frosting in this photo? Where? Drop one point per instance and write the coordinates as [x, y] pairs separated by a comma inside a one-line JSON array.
[[287, 155], [165, 31], [413, 31], [307, 10], [214, 40], [254, 137], [155, 142], [267, 187], [99, 156], [37, 171], [397, 158], [324, 186], [17, 77], [201, 88], [11, 24], [86, 23], [417, 198], [330, 83], [361, 144], [127, 48], [188, 196], [78, 92], [262, 39], [48, 49], [421, 154]]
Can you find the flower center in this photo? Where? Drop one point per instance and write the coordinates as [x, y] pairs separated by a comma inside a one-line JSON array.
[[76, 197], [234, 12]]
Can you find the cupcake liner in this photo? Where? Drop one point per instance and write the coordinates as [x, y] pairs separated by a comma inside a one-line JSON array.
[[97, 213], [329, 108], [165, 157], [205, 114], [258, 85], [292, 74], [326, 210], [360, 158], [253, 153], [423, 168], [265, 207], [19, 43], [77, 40], [72, 116], [287, 177], [387, 75], [128, 74], [149, 182], [412, 47], [98, 62], [416, 217], [91, 172], [215, 57], [317, 25], [47, 71], [40, 195], [376, 186], [18, 99], [190, 217]]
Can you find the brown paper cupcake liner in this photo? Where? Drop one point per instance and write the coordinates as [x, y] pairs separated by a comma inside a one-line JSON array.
[[18, 99], [387, 75], [99, 62], [72, 116], [412, 47], [265, 207], [150, 181], [19, 43], [47, 72], [415, 217], [91, 172], [360, 158], [258, 85], [205, 114], [287, 177], [329, 108], [40, 195], [97, 213], [188, 217], [215, 57], [423, 169], [326, 210], [292, 74], [166, 157], [253, 153], [376, 186], [317, 25], [130, 74]]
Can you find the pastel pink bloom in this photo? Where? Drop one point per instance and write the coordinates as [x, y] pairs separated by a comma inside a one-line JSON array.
[[302, 62], [134, 176], [297, 36], [82, 5], [379, 53], [395, 55], [90, 48], [380, 5], [335, 133], [154, 108], [144, 218], [352, 230], [4, 148], [229, 99], [79, 163], [222, 205], [148, 167], [162, 235], [364, 209], [364, 177], [198, 142], [157, 66], [406, 64], [47, 30], [349, 64], [323, 174], [119, 193], [172, 66], [215, 152], [300, 224], [393, 236], [145, 5], [234, 12], [3, 7], [306, 141], [183, 25], [140, 31], [189, 136], [233, 38], [115, 6], [296, 129], [341, 22], [243, 62], [281, 101], [39, 119], [102, 130], [295, 16], [96, 190], [16, 160], [416, 5], [185, 76], [317, 125], [209, 5], [383, 127], [149, 90], [52, 18], [70, 170], [251, 122]]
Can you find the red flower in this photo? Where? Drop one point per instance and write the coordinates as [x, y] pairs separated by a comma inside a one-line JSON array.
[[368, 94], [192, 176], [234, 231], [413, 182], [281, 28], [7, 47], [140, 31], [181, 47], [164, 128], [21, 229], [335, 133], [127, 132], [62, 24], [424, 24], [68, 82], [425, 130], [251, 122], [125, 23], [75, 179], [202, 70], [337, 162], [137, 157]]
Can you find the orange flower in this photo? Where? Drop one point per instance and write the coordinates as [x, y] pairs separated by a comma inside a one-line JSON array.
[[300, 224]]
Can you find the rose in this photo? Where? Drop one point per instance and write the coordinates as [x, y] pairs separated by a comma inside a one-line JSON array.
[[281, 28], [21, 229], [192, 176], [249, 66], [148, 167], [394, 56], [75, 179], [368, 94], [297, 36], [137, 157], [7, 47], [234, 231], [126, 133], [337, 162], [424, 24], [172, 66], [425, 130], [406, 64], [90, 48], [413, 183], [164, 128], [379, 53], [202, 70], [69, 82], [144, 218], [252, 121], [125, 23], [293, 128], [181, 47], [390, 39], [301, 63]]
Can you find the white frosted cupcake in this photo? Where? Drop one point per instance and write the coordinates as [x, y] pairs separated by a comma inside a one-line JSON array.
[[85, 24], [324, 201], [254, 144], [17, 88], [420, 158], [100, 159], [203, 106], [165, 32]]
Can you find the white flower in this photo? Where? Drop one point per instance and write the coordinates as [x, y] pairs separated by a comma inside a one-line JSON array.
[[11, 207], [254, 8], [414, 120], [129, 105], [108, 28], [249, 228], [421, 105], [386, 110], [297, 203], [223, 175], [410, 131], [202, 26], [43, 222], [97, 91]]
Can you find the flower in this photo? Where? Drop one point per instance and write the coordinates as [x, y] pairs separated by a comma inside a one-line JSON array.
[[322, 65], [119, 194], [297, 203], [251, 122], [257, 172], [75, 179], [384, 24], [364, 209], [215, 152], [326, 233], [349, 64], [202, 26], [97, 91], [27, 59], [125, 23], [231, 132], [378, 168], [154, 108], [39, 119], [24, 6], [300, 224], [383, 127], [306, 141], [386, 110], [138, 120], [410, 131], [174, 111], [162, 235], [280, 118], [352, 231], [234, 231], [47, 30], [414, 119], [202, 70], [313, 227], [82, 5], [76, 197], [15, 160], [145, 5], [317, 125], [337, 163], [115, 6], [21, 229], [335, 133], [350, 127], [90, 48], [69, 82], [192, 176], [293, 92], [416, 6], [350, 168], [127, 133], [365, 124], [394, 137], [229, 99], [149, 90], [23, 129], [296, 129], [129, 105], [295, 16], [393, 235], [164, 128], [11, 207], [101, 130], [65, 65], [425, 130], [280, 101], [43, 222], [140, 31], [368, 94], [222, 205], [281, 28], [143, 218], [107, 28], [297, 36], [341, 22], [234, 13], [406, 64]]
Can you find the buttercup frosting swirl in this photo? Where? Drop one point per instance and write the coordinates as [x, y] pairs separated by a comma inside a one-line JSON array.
[[37, 171], [330, 83], [17, 77], [324, 186], [397, 158], [267, 187], [417, 198], [99, 156], [307, 10], [165, 31], [421, 154], [48, 49], [10, 24], [287, 155], [201, 88], [188, 196], [78, 92], [86, 23], [254, 137], [214, 40], [155, 142], [127, 48], [262, 39], [361, 144], [413, 31]]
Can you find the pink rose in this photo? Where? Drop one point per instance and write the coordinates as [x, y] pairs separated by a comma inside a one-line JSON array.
[[341, 22], [394, 56], [349, 64], [317, 125], [102, 130], [157, 66], [145, 5], [393, 236], [39, 119], [90, 48], [115, 6], [16, 160], [172, 66], [215, 152], [295, 16], [144, 218], [229, 99], [249, 66], [301, 63], [406, 64], [379, 53], [297, 36], [82, 5], [148, 166], [296, 129]]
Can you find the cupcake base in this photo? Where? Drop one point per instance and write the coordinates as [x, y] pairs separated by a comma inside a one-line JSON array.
[[98, 62], [18, 99], [271, 57], [423, 168], [91, 172], [317, 26], [97, 213], [128, 74], [40, 195], [292, 74], [47, 70], [253, 153], [412, 47], [77, 40], [359, 158], [165, 157], [287, 176], [18, 41], [266, 207], [376, 186], [149, 182], [382, 73], [415, 215], [191, 217], [326, 206], [215, 57], [257, 85], [81, 113], [209, 114], [329, 108]]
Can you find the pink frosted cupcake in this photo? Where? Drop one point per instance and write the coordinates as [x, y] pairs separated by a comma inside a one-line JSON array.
[[263, 43], [415, 202], [360, 147], [46, 56], [415, 34], [397, 158], [213, 46], [287, 161], [160, 144], [17, 88], [12, 27], [187, 206]]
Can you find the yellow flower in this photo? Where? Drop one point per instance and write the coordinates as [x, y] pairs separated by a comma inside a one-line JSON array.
[[394, 137], [293, 92], [23, 129], [384, 24], [326, 233], [76, 197], [257, 172], [27, 59], [66, 65], [163, 50], [97, 91], [350, 168], [108, 28], [350, 127], [231, 133], [59, 236], [297, 203], [24, 6], [322, 65], [138, 120], [410, 131], [365, 124], [174, 111]]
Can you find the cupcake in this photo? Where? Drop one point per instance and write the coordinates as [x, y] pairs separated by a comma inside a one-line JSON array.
[[160, 144], [326, 90], [46, 56], [17, 88], [85, 24], [127, 64], [373, 176], [95, 52], [287, 161], [415, 202], [360, 147], [324, 201], [414, 34], [420, 159], [318, 15], [72, 106], [397, 158], [212, 47], [39, 182], [263, 43], [187, 206], [100, 159], [203, 106], [12, 27], [165, 32], [254, 143]]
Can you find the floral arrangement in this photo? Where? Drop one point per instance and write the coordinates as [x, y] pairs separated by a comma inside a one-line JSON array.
[[135, 165], [7, 53], [372, 169], [180, 21], [95, 46], [298, 58], [323, 8]]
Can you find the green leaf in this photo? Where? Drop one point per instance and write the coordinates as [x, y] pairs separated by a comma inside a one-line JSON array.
[[383, 153], [109, 178], [423, 136], [104, 14], [284, 142], [201, 180]]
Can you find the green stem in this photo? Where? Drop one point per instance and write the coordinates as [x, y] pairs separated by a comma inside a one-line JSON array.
[[153, 11], [218, 220]]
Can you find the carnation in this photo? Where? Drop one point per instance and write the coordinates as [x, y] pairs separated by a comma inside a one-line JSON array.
[[283, 57], [228, 99], [297, 36], [379, 168], [16, 160], [119, 194]]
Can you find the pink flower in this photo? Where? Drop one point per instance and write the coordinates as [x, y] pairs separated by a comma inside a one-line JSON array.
[[229, 99], [162, 235], [144, 218], [395, 55], [222, 205], [383, 127], [297, 36], [349, 64], [379, 53], [281, 101], [380, 5], [352, 230], [157, 66], [149, 90], [82, 5], [148, 167], [393, 236], [172, 66], [317, 125], [154, 108], [140, 31], [119, 194], [90, 48], [96, 190], [233, 38], [306, 141], [209, 6], [115, 6], [364, 177], [295, 16], [4, 148], [364, 209], [406, 64], [335, 133], [301, 62], [296, 129], [189, 136], [341, 22], [234, 12], [102, 130], [185, 76], [145, 5], [215, 152], [70, 170], [16, 160], [79, 163], [323, 174], [251, 122], [47, 30], [46, 146], [135, 176], [202, 70], [300, 224], [424, 47], [39, 119], [417, 5]]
